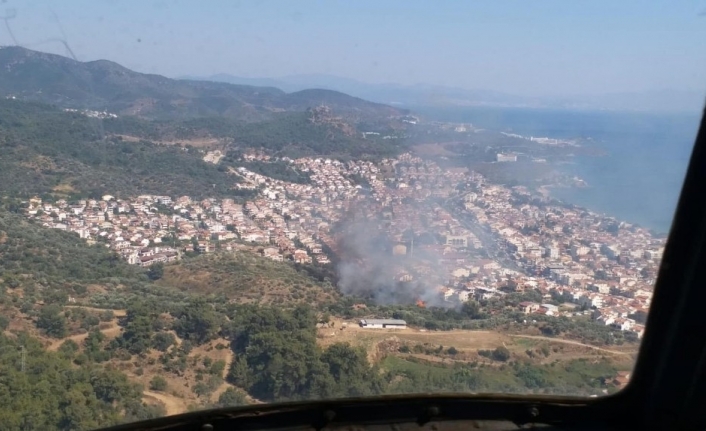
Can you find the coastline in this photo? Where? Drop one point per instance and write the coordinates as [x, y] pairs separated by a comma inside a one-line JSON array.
[[573, 196], [633, 165]]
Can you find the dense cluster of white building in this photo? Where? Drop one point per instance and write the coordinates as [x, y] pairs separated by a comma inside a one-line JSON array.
[[587, 260]]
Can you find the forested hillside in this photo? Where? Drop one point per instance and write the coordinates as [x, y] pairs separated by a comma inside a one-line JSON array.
[[45, 150], [245, 277], [104, 85], [54, 260], [52, 393], [285, 134]]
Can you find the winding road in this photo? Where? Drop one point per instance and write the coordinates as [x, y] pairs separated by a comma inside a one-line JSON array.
[[111, 332], [575, 343], [173, 405]]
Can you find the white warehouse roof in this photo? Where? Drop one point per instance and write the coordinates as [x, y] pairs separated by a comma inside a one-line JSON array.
[[383, 322]]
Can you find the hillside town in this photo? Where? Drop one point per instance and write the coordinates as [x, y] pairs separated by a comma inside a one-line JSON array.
[[450, 228]]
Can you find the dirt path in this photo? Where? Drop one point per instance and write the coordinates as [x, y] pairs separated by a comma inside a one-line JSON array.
[[172, 404], [116, 313], [111, 332], [575, 343], [228, 360], [225, 385], [176, 337], [78, 339]]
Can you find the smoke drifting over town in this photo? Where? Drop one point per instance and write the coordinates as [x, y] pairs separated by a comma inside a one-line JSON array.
[[387, 270]]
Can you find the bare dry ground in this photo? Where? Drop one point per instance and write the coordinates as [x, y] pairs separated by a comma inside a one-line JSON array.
[[116, 313], [172, 404], [179, 396], [111, 331], [194, 142], [244, 277], [466, 342]]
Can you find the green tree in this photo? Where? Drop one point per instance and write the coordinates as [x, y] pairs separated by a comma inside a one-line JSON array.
[[197, 322], [349, 368], [201, 389], [94, 346], [217, 367], [162, 341], [137, 337], [239, 373], [52, 321], [471, 309], [106, 316], [156, 271], [207, 362], [12, 282], [90, 321], [232, 398], [281, 365], [68, 348], [531, 377], [158, 383], [94, 340], [185, 347], [501, 354]]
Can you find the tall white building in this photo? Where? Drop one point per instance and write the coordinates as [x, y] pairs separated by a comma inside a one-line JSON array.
[[506, 157]]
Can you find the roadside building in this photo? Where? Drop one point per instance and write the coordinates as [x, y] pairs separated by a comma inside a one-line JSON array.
[[399, 250], [382, 324], [509, 157]]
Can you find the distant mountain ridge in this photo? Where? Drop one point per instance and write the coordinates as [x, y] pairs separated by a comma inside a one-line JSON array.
[[105, 85], [426, 95]]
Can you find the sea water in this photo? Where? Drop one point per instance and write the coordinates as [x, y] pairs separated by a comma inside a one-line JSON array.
[[639, 178]]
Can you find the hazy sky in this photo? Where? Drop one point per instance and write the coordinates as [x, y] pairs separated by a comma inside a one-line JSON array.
[[538, 47]]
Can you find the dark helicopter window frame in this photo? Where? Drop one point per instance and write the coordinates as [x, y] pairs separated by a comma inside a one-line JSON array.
[[667, 389], [668, 386]]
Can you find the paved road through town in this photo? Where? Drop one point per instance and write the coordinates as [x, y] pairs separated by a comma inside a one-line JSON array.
[[491, 244]]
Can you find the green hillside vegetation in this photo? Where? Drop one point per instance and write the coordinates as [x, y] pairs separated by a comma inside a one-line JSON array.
[[247, 278], [47, 266], [44, 150], [47, 151], [291, 134], [278, 358], [104, 85], [52, 393], [50, 260], [575, 377], [295, 135]]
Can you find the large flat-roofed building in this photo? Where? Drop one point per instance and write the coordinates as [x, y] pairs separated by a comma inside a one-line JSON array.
[[399, 250], [507, 157], [382, 323], [457, 240]]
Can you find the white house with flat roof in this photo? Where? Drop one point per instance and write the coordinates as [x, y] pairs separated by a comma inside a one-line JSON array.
[[382, 323]]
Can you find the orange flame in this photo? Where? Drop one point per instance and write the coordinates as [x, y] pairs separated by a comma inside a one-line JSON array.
[[421, 304]]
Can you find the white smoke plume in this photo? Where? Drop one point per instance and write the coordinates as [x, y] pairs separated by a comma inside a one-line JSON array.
[[368, 268]]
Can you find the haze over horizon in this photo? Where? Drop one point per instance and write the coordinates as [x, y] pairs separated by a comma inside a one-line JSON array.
[[528, 49]]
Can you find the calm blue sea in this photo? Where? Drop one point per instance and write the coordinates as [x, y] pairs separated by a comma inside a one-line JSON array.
[[639, 179]]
